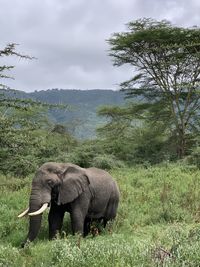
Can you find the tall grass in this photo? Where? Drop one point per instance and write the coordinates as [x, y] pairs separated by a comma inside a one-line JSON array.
[[157, 224]]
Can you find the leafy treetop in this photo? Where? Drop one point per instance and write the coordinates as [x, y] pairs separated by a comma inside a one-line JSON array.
[[166, 62]]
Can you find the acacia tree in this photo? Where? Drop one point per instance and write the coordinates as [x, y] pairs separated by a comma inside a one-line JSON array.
[[7, 51], [19, 119], [166, 63], [27, 138], [5, 100]]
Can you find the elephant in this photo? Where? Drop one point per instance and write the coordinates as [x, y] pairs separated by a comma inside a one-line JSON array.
[[87, 194]]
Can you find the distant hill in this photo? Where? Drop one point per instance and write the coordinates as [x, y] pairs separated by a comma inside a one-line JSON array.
[[80, 118]]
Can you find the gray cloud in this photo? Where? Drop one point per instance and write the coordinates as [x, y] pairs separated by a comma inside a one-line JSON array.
[[69, 38]]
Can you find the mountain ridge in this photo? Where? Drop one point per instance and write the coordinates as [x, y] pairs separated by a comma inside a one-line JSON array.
[[81, 118]]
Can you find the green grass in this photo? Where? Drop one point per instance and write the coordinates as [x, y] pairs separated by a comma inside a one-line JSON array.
[[157, 224]]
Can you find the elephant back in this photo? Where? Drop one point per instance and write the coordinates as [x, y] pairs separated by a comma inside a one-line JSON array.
[[102, 184]]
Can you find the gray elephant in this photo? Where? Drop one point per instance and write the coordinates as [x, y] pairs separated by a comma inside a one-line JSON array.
[[87, 194]]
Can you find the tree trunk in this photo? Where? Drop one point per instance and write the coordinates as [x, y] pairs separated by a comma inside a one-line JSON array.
[[181, 144]]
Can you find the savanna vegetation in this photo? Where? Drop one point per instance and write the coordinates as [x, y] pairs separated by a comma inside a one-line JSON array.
[[150, 144], [157, 224]]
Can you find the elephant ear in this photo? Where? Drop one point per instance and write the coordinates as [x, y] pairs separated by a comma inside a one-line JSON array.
[[74, 183]]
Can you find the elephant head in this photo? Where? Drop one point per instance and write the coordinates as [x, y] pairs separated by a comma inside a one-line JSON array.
[[59, 182]]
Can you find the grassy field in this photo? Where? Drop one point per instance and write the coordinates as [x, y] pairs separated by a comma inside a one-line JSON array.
[[157, 224]]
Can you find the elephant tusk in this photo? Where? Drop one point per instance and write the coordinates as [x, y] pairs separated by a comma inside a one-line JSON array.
[[23, 213], [37, 212]]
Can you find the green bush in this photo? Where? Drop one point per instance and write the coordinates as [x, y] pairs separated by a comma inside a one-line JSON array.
[[84, 154], [194, 157], [107, 162], [92, 154], [27, 152]]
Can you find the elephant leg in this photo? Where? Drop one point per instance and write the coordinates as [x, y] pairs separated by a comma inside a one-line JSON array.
[[55, 219], [87, 224], [105, 222], [77, 221], [78, 213]]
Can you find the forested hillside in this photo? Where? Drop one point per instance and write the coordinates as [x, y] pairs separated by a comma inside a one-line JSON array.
[[80, 114]]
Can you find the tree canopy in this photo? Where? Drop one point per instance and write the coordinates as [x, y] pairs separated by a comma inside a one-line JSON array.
[[166, 62]]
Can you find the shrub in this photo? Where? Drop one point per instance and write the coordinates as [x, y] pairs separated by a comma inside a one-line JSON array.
[[194, 158], [107, 162], [84, 154]]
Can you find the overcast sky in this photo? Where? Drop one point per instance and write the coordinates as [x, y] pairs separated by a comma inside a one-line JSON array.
[[68, 38]]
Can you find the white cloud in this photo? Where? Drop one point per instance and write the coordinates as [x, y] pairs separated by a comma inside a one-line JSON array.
[[68, 38]]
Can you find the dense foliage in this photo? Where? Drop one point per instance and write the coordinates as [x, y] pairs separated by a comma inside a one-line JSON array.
[[27, 139], [157, 224], [26, 142], [132, 139]]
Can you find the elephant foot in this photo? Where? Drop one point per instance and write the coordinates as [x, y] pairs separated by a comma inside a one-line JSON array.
[[25, 244]]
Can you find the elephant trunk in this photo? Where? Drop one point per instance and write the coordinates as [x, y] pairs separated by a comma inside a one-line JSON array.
[[39, 200], [34, 221], [34, 227]]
